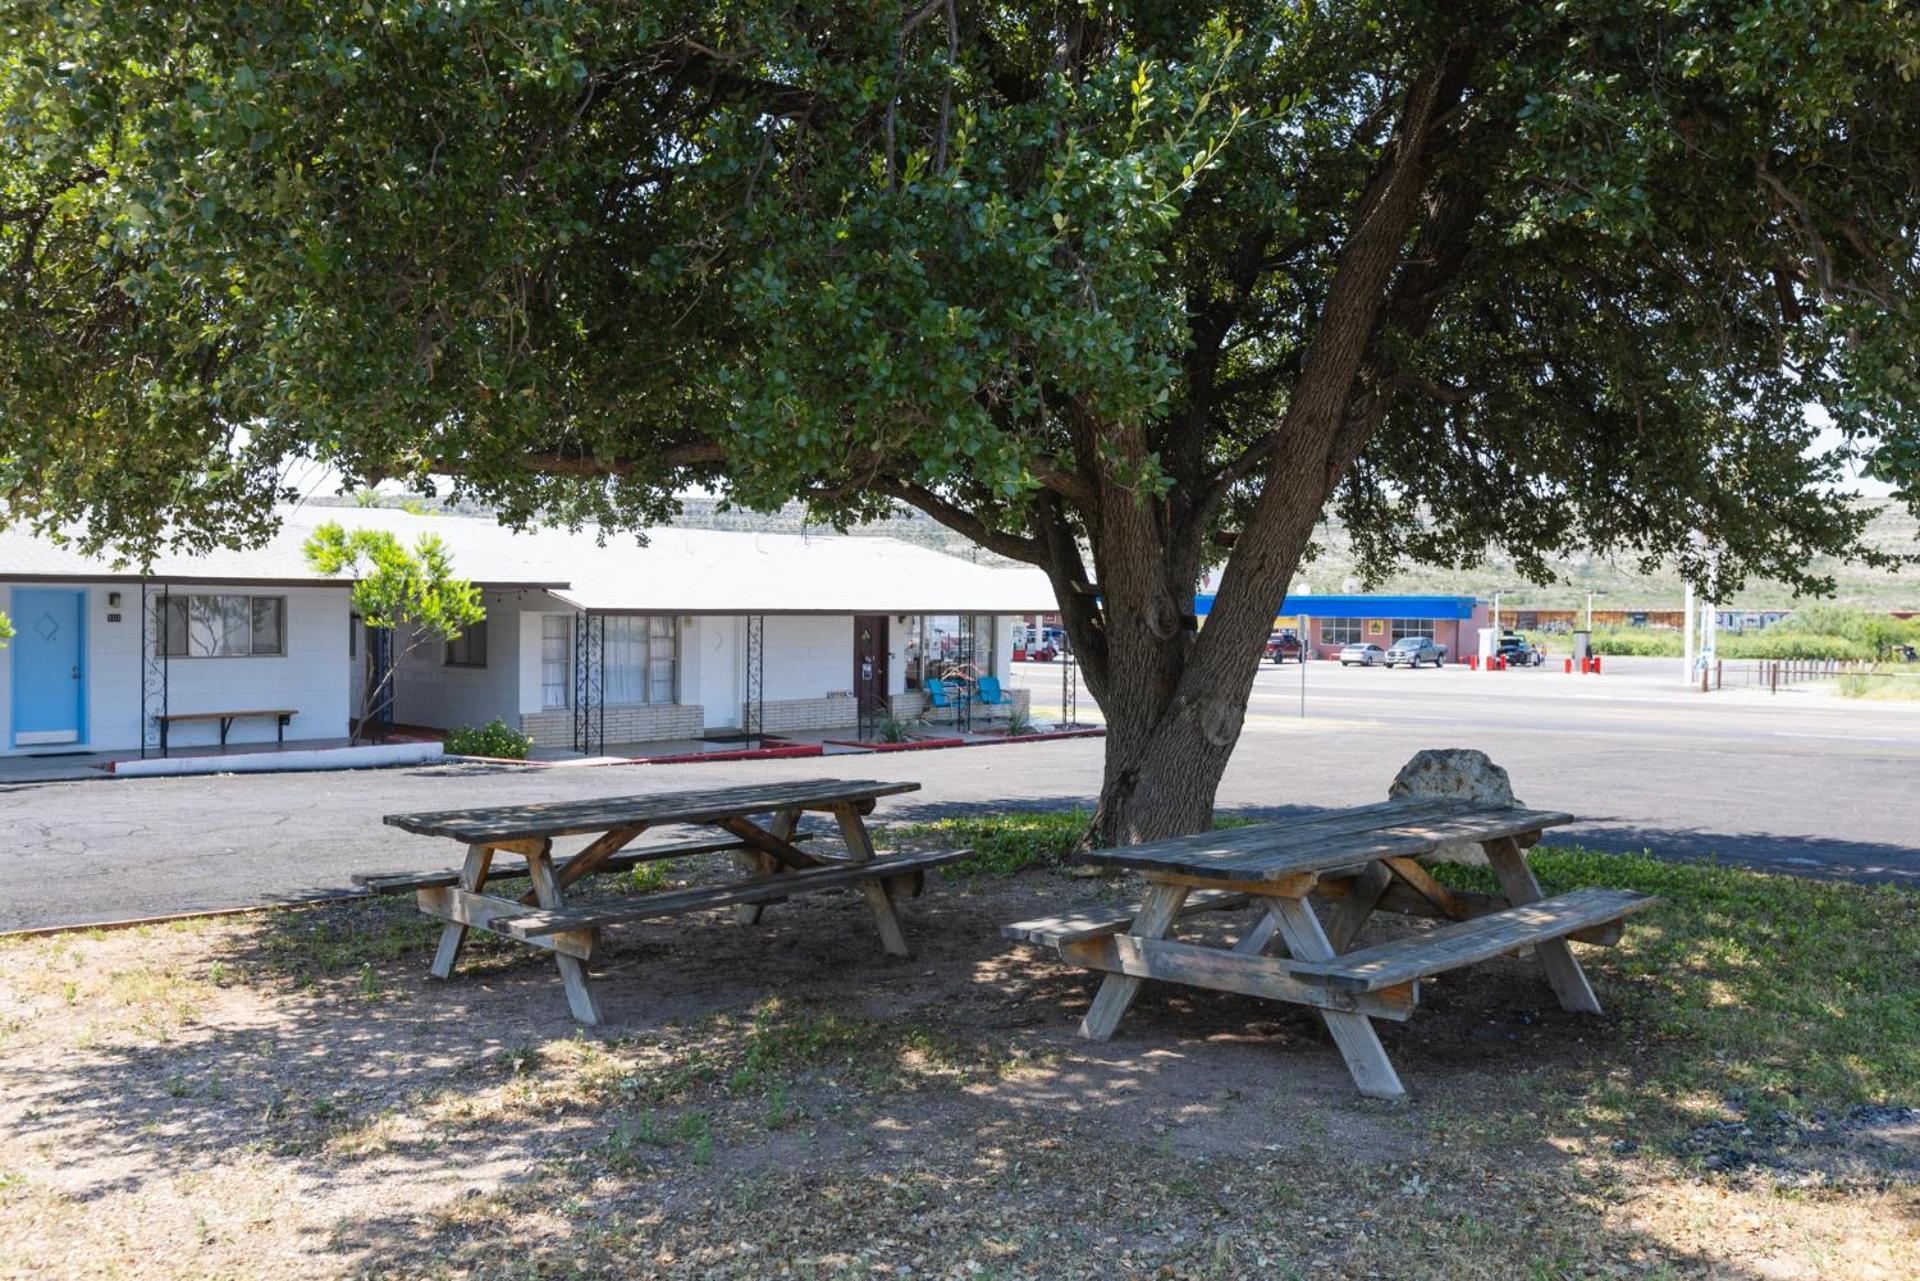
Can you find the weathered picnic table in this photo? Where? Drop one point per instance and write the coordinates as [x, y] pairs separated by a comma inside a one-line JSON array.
[[770, 856], [1362, 860]]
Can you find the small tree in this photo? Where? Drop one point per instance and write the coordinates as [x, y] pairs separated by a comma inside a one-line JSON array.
[[6, 631], [397, 588]]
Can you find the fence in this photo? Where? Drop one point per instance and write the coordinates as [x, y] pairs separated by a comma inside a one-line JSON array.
[[1772, 673]]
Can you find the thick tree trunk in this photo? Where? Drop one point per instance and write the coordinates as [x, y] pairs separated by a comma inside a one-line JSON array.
[[1174, 713]]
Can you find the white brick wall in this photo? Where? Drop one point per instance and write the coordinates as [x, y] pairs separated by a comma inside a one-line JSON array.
[[800, 715], [648, 724]]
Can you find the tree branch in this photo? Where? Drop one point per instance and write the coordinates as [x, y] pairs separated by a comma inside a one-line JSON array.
[[962, 521]]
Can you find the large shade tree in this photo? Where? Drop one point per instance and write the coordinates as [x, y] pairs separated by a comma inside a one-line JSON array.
[[1119, 290]]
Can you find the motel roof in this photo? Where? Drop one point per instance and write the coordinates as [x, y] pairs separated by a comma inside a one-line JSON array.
[[677, 571]]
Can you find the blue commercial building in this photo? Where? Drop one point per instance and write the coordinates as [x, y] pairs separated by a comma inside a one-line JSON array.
[[1326, 623]]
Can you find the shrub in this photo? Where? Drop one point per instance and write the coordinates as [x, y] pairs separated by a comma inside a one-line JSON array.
[[1637, 642], [496, 738], [891, 729], [1780, 642], [1018, 722]]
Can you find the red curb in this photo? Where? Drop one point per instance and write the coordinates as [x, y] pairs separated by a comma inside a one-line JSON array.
[[916, 745], [1041, 738], [744, 754]]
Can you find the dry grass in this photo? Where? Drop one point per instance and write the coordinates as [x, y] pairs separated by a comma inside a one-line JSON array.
[[287, 1096]]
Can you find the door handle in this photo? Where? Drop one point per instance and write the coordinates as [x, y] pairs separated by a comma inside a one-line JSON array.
[[76, 671]]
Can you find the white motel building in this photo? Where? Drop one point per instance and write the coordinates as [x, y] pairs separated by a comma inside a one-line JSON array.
[[588, 643]]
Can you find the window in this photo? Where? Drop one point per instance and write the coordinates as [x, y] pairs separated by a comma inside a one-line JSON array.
[[639, 659], [1340, 631], [225, 627], [1413, 627], [469, 648], [556, 660]]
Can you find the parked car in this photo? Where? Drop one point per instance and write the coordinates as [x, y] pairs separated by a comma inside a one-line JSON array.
[[1518, 653], [1284, 645], [1415, 651], [1367, 655]]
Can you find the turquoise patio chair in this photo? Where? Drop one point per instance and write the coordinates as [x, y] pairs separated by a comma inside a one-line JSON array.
[[937, 700], [989, 694]]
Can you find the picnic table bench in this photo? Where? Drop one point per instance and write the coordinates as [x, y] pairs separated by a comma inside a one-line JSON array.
[[770, 856], [1361, 860]]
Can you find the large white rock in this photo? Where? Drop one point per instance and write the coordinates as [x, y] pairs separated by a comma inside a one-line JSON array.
[[1457, 772]]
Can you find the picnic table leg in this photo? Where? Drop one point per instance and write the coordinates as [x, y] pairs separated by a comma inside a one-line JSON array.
[[1351, 913], [1158, 911], [1556, 956], [853, 830], [453, 936], [754, 863], [573, 970], [1353, 1033]]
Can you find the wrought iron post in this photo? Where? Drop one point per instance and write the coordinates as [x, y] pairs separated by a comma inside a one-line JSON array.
[[865, 705], [589, 693], [963, 654], [380, 682], [153, 666], [756, 703]]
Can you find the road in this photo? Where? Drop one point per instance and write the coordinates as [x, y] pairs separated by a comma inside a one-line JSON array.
[[1796, 782]]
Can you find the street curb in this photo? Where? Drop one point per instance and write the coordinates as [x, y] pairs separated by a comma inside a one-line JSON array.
[[203, 914]]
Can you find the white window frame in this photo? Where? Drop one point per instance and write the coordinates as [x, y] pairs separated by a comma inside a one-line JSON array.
[[1400, 628], [188, 630], [556, 656], [638, 680]]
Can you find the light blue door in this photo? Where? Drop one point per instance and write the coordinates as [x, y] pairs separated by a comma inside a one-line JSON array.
[[49, 666]]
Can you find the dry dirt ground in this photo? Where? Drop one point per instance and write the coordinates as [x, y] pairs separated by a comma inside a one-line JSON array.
[[288, 1095]]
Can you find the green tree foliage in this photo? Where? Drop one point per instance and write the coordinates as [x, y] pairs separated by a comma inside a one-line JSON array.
[[1116, 289], [414, 594], [6, 630]]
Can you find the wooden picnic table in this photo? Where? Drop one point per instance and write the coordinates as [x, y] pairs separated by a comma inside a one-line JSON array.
[[1361, 860], [769, 854]]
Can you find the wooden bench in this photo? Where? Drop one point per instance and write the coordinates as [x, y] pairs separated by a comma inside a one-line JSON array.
[[1052, 931], [281, 716], [532, 926], [1360, 861], [1429, 952], [624, 861]]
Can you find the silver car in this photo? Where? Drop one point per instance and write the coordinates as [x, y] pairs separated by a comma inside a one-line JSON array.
[[1416, 651], [1367, 655]]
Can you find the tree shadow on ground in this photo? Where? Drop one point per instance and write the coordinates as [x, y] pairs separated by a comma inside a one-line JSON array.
[[787, 1087]]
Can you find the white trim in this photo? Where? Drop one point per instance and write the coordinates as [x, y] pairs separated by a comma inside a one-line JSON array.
[[39, 737]]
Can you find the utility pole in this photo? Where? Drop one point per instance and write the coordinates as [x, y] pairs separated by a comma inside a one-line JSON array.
[[1686, 628]]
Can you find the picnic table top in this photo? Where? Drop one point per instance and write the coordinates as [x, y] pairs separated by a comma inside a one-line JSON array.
[[599, 814], [1282, 848]]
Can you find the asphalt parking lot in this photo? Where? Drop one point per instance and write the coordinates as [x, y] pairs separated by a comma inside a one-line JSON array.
[[1797, 782]]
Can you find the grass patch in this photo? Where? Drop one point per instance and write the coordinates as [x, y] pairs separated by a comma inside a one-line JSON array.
[[1003, 844], [1881, 686], [1789, 993]]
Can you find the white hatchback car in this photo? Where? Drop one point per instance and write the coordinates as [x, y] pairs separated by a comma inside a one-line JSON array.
[[1367, 655]]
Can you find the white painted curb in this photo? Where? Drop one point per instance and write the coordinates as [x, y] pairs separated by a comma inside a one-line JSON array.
[[367, 756]]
